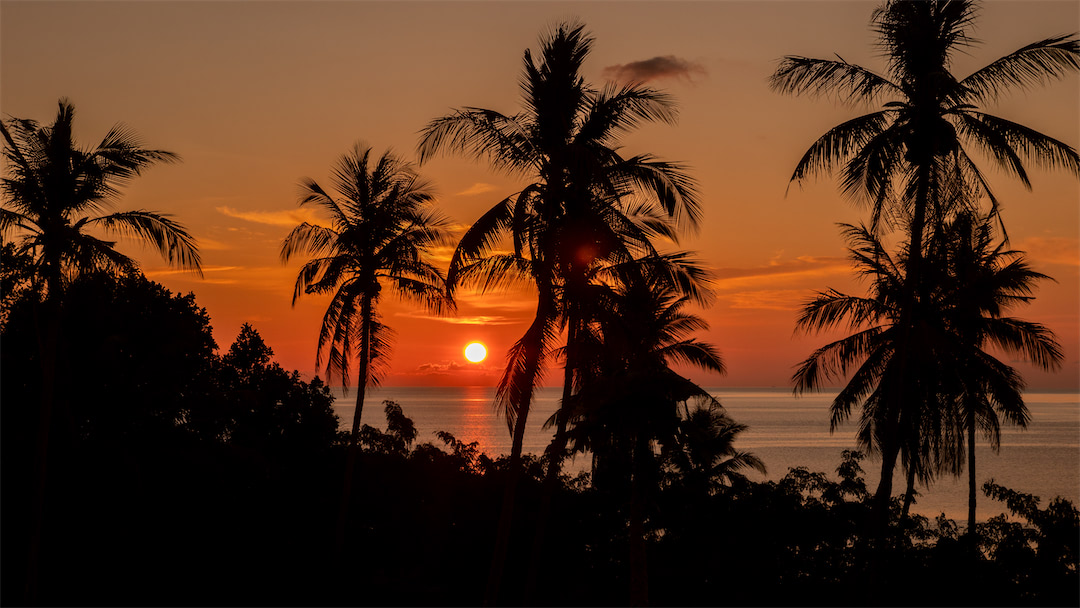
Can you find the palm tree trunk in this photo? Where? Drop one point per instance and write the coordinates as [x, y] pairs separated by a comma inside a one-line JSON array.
[[521, 392], [971, 473], [47, 346], [883, 494], [555, 456], [506, 513], [909, 494], [639, 571], [354, 438]]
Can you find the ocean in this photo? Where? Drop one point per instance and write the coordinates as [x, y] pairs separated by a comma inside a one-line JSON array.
[[785, 431]]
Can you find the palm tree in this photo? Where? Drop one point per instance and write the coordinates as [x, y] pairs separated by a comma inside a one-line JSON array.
[[382, 228], [381, 231], [895, 351], [904, 158], [987, 280], [929, 119], [55, 195], [584, 202], [629, 394], [704, 454], [575, 207]]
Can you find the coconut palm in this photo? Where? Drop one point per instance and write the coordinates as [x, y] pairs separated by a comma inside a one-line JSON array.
[[381, 231], [584, 201], [987, 280], [58, 194], [704, 456], [900, 156], [895, 350], [57, 200], [905, 158], [628, 395]]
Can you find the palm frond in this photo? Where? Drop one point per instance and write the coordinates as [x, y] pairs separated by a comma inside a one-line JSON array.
[[170, 238], [992, 132], [1033, 65], [851, 83]]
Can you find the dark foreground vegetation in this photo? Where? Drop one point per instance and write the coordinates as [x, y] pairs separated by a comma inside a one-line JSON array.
[[178, 476], [141, 465]]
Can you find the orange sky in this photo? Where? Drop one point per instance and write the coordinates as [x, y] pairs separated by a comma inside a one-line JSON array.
[[256, 95]]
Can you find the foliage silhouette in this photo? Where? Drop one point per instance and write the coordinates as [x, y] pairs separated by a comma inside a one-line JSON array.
[[55, 194], [907, 158], [984, 281], [585, 204], [382, 229]]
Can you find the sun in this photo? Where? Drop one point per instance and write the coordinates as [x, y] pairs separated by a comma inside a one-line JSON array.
[[475, 352]]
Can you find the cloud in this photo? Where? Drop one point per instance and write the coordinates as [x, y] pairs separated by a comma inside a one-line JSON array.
[[1051, 250], [451, 368], [289, 217], [768, 299], [477, 188], [160, 272], [803, 266], [206, 244], [269, 278], [666, 66], [471, 320]]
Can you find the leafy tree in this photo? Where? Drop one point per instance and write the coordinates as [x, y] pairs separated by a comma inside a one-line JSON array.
[[1039, 556], [55, 193], [265, 408]]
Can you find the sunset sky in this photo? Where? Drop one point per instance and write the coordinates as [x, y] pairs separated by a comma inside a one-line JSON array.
[[255, 96]]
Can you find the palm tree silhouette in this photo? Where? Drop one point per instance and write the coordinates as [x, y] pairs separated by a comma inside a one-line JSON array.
[[704, 455], [894, 349], [628, 394], [574, 210], [382, 229], [584, 202], [55, 195], [929, 118], [986, 280], [958, 387], [904, 158]]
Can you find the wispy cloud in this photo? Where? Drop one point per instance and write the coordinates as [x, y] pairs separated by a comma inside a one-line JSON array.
[[477, 188], [470, 320], [288, 217], [1051, 250], [453, 368], [206, 244], [803, 266], [265, 278], [768, 299], [656, 68], [162, 272]]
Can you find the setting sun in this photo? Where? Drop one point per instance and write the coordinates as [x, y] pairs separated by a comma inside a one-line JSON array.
[[475, 352]]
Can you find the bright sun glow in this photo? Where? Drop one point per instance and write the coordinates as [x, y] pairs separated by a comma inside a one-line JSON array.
[[475, 352]]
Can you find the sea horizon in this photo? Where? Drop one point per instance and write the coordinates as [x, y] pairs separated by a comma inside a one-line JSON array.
[[785, 431]]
